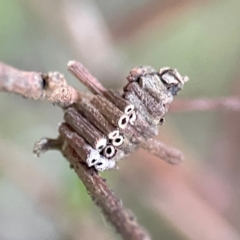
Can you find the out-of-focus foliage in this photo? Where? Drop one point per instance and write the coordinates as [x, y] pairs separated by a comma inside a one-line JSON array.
[[42, 198]]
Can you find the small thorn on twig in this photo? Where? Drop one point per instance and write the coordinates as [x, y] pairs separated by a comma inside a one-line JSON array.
[[46, 144]]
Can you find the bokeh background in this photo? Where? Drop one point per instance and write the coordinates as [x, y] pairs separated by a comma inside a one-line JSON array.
[[200, 199]]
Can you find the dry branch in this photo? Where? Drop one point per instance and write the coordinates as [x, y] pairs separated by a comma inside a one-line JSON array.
[[152, 106], [227, 103], [110, 112], [95, 117], [168, 154], [121, 103], [85, 129], [124, 222], [27, 84], [34, 85], [46, 144], [83, 149]]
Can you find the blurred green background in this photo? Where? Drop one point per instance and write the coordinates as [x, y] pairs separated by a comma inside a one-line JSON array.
[[200, 199]]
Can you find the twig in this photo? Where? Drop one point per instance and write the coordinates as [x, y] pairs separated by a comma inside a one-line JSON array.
[[124, 222], [95, 117], [85, 129], [27, 84], [160, 150], [85, 77], [131, 97], [152, 106], [121, 103], [110, 112], [46, 144], [227, 103], [51, 87], [83, 149]]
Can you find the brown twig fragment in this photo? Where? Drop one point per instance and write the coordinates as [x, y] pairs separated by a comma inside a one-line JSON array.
[[58, 91], [85, 129], [27, 84], [46, 144], [131, 97], [124, 222], [160, 150], [85, 151], [154, 108], [51, 87], [155, 87], [97, 119], [85, 77], [228, 103], [144, 127], [121, 103], [110, 111]]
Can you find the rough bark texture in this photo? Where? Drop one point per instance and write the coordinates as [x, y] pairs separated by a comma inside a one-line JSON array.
[[124, 221]]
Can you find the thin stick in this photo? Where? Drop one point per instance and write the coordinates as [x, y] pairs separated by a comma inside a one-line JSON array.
[[27, 84], [124, 222], [116, 98], [142, 126], [85, 77], [85, 129], [85, 151], [185, 105], [131, 97], [155, 108], [46, 144], [51, 87], [110, 111], [97, 119], [160, 150]]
